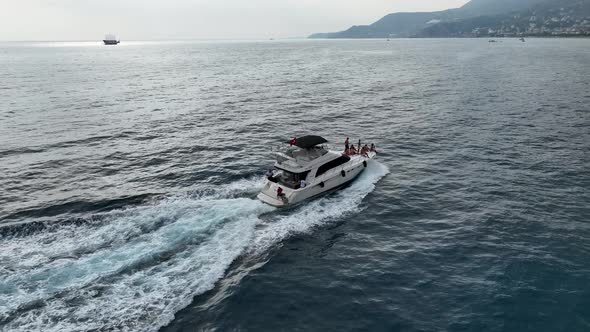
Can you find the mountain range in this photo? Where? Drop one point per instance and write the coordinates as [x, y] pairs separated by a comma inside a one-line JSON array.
[[480, 18]]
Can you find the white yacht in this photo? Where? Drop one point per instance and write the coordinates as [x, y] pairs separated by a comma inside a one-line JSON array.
[[308, 169]]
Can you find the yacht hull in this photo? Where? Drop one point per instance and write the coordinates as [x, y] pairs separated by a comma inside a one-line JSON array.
[[333, 180]]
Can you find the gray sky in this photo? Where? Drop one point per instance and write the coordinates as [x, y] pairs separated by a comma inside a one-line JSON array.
[[198, 19]]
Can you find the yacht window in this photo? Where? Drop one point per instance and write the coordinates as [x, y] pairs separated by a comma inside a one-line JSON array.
[[332, 164]]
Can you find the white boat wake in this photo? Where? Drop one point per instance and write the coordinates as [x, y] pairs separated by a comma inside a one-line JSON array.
[[135, 268]]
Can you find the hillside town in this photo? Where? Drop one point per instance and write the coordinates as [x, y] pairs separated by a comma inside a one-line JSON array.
[[562, 24]]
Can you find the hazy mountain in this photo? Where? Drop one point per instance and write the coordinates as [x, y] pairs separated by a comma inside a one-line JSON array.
[[401, 24], [412, 24]]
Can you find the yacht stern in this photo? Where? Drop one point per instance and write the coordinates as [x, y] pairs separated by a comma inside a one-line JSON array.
[[269, 195]]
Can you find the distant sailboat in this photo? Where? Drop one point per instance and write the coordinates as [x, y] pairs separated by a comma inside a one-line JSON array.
[[111, 40]]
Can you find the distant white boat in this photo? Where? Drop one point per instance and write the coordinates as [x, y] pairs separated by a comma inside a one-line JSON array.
[[111, 39]]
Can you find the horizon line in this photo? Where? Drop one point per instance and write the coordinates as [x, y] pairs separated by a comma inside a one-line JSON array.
[[142, 40]]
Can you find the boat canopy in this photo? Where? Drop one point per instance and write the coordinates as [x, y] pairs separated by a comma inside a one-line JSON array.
[[309, 141]]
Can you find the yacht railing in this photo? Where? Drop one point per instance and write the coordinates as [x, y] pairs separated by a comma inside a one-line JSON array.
[[296, 155], [288, 149]]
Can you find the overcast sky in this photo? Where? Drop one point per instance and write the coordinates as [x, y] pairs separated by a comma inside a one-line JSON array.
[[194, 19]]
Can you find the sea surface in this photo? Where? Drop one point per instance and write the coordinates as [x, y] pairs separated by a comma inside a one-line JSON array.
[[129, 174]]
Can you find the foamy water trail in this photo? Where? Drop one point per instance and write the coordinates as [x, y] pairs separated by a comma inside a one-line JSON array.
[[137, 267]]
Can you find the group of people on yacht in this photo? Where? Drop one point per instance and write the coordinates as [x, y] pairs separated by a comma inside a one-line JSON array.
[[350, 150]]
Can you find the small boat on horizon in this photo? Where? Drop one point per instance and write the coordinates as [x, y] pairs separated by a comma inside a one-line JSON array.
[[110, 39], [307, 169]]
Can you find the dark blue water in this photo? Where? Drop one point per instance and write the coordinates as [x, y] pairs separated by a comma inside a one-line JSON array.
[[129, 176]]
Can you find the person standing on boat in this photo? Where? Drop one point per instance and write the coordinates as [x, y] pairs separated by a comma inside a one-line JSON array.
[[346, 145]]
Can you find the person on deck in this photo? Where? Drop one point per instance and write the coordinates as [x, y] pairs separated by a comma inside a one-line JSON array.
[[373, 149], [365, 150], [352, 151], [302, 184], [270, 176], [346, 144]]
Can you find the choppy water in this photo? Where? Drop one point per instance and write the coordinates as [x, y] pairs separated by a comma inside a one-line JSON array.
[[128, 177]]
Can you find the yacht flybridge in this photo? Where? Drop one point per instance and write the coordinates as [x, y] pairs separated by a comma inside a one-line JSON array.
[[307, 168]]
